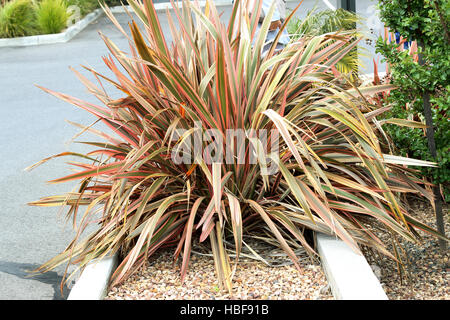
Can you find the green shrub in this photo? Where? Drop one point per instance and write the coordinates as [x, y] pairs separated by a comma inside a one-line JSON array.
[[52, 16], [18, 19], [424, 22], [412, 142]]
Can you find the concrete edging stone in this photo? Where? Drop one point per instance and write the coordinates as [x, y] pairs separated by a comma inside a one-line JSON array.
[[94, 280], [349, 274]]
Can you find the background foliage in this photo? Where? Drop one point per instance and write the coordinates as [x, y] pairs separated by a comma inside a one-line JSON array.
[[86, 6], [327, 21], [422, 21], [20, 18]]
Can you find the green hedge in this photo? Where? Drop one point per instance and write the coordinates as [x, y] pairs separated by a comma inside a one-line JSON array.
[[428, 22]]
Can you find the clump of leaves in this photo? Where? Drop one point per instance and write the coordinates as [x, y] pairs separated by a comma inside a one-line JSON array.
[[52, 16], [322, 22], [18, 19], [335, 175]]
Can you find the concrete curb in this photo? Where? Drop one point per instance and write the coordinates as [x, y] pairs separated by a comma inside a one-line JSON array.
[[349, 275], [93, 281], [65, 36]]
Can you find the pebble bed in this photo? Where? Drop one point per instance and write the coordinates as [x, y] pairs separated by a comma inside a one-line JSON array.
[[428, 268], [428, 274], [253, 280]]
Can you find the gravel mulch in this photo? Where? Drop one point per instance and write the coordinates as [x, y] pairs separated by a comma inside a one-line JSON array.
[[253, 280], [428, 268], [428, 274]]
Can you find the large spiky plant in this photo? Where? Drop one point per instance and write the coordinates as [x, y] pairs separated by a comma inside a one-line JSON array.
[[334, 174]]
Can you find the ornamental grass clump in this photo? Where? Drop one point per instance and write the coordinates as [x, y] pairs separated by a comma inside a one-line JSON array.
[[52, 16], [169, 174], [18, 19]]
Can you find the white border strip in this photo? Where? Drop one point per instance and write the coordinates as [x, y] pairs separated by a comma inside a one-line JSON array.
[[349, 275], [65, 36], [93, 281]]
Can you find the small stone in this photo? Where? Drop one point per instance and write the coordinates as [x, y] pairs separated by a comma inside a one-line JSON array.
[[376, 270]]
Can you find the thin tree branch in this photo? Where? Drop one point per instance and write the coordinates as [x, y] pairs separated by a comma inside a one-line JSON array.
[[443, 21]]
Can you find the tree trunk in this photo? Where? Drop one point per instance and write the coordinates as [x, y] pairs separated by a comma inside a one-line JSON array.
[[432, 148]]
